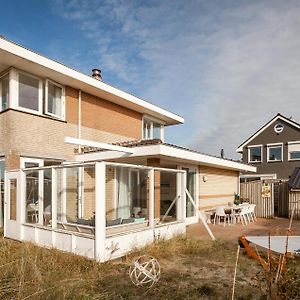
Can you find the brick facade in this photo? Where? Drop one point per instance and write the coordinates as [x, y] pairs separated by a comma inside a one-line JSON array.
[[24, 134]]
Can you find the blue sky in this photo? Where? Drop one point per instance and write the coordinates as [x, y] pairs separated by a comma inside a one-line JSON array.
[[226, 66]]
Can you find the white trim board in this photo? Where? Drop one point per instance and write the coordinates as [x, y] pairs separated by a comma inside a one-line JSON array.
[[171, 153], [27, 60], [240, 148]]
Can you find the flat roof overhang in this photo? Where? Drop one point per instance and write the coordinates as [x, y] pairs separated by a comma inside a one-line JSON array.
[[13, 55], [170, 153]]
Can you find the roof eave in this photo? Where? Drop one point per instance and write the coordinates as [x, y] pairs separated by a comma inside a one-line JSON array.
[[40, 65], [168, 151]]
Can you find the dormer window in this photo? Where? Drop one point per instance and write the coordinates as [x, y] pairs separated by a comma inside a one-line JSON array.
[[152, 129]]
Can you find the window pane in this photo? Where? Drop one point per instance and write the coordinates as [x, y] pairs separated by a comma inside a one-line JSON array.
[[156, 131], [295, 155], [255, 154], [54, 99], [275, 153], [147, 130], [4, 87], [28, 92], [13, 199], [32, 194], [191, 187]]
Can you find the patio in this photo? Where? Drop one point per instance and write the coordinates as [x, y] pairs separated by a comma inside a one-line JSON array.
[[233, 232]]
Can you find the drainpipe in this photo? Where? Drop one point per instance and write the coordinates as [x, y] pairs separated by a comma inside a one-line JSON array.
[[79, 120], [80, 169]]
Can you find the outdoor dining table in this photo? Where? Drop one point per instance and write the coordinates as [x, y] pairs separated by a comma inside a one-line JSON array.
[[234, 208]]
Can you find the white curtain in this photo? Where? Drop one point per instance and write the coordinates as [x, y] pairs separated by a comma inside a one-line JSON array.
[[123, 208]]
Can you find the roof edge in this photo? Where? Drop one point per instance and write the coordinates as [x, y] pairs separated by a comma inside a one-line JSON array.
[[29, 55], [266, 125]]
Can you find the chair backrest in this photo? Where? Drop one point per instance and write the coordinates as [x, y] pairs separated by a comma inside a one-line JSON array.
[[252, 207], [220, 211], [244, 210]]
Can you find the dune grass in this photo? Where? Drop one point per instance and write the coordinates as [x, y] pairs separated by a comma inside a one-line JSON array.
[[191, 269]]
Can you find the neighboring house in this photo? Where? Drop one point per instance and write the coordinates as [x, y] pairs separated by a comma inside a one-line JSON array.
[[274, 149], [98, 160]]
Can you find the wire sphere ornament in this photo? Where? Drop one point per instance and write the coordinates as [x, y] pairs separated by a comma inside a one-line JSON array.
[[144, 271]]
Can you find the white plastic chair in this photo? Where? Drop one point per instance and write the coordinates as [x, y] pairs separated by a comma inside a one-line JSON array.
[[220, 213], [252, 212], [242, 215]]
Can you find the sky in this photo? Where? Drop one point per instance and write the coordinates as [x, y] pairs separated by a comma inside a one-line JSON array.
[[227, 67]]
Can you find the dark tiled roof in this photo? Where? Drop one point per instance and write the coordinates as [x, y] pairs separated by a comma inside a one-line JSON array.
[[294, 181], [141, 143]]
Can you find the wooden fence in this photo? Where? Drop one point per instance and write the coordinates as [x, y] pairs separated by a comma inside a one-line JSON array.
[[252, 191], [294, 202], [279, 201]]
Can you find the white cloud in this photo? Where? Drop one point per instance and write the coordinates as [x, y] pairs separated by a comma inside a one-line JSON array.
[[226, 67]]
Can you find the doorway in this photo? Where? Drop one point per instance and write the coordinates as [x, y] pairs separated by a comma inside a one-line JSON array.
[[11, 207]]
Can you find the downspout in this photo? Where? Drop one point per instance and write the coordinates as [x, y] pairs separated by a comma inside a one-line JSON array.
[[80, 175], [79, 120]]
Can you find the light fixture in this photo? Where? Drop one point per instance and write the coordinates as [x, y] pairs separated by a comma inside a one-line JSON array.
[[204, 178]]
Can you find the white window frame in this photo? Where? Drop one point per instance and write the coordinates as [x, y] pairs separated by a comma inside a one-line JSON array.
[[2, 159], [261, 154], [274, 145], [193, 168], [40, 104], [1, 76], [152, 120], [289, 152], [40, 163], [63, 106]]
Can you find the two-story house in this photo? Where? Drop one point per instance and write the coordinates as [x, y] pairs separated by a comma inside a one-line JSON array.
[[274, 149], [79, 154]]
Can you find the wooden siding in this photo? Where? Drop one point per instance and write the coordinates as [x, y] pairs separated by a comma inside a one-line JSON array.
[[219, 187]]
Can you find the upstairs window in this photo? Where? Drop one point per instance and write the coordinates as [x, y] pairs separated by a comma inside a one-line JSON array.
[[255, 154], [54, 99], [152, 130], [294, 150], [4, 91], [274, 153], [30, 92]]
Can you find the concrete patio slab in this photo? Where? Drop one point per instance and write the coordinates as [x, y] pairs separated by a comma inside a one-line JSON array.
[[276, 226]]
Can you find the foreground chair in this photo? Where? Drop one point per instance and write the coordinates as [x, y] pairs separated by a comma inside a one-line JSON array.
[[242, 215], [252, 212], [220, 213]]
